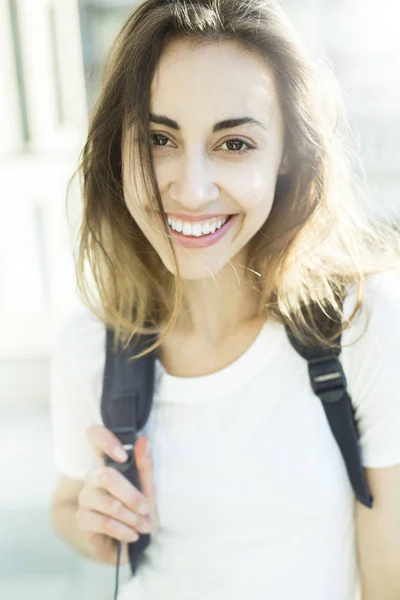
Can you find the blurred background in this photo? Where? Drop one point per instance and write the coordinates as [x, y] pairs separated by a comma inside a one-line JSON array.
[[51, 56]]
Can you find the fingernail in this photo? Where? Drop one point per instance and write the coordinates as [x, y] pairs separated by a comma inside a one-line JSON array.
[[146, 526], [120, 453], [143, 509]]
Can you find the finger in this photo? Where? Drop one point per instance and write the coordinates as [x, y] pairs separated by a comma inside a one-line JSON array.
[[90, 521], [105, 548], [144, 463], [103, 441], [102, 502], [118, 486], [124, 554]]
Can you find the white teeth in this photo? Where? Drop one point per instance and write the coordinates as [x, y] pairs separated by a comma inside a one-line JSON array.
[[196, 229], [187, 229]]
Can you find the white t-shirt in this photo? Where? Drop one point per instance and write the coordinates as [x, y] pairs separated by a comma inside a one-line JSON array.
[[252, 492]]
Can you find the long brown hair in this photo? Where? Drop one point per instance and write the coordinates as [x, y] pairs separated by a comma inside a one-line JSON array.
[[315, 242]]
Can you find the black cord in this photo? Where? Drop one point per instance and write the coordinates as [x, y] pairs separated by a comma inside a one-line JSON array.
[[117, 570]]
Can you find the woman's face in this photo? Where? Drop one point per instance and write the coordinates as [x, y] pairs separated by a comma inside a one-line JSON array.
[[217, 134]]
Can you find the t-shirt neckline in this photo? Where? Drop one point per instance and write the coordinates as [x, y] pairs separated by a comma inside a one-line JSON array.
[[219, 383]]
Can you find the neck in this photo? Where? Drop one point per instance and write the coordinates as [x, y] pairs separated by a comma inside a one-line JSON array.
[[217, 306]]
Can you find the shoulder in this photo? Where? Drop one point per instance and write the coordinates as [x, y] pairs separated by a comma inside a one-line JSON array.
[[371, 358], [76, 383], [79, 343], [379, 317], [80, 330]]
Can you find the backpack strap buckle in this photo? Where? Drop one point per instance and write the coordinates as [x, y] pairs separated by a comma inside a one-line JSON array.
[[127, 436], [327, 378]]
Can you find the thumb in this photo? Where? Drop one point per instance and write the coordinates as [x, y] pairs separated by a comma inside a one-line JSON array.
[[144, 463]]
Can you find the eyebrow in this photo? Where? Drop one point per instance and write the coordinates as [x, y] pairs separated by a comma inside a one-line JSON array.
[[226, 124]]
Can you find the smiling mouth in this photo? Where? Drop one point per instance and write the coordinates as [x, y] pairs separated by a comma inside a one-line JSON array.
[[202, 234], [197, 228]]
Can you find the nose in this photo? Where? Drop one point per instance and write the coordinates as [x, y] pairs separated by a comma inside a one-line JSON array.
[[193, 185]]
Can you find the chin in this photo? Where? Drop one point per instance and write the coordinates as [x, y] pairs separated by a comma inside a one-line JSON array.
[[196, 269]]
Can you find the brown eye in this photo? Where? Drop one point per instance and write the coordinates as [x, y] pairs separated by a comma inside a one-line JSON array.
[[235, 145], [157, 139]]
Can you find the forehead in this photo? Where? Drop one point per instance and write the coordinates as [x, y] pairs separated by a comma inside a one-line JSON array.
[[216, 79]]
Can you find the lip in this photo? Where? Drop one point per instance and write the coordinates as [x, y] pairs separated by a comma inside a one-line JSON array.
[[195, 218], [206, 240]]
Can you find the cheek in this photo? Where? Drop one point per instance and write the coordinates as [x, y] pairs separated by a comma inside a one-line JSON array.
[[139, 212], [142, 211], [253, 191], [134, 194]]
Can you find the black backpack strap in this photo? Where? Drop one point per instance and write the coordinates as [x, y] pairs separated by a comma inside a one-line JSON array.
[[125, 408], [329, 383]]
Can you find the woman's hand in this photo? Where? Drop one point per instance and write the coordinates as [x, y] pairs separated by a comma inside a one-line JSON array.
[[110, 508]]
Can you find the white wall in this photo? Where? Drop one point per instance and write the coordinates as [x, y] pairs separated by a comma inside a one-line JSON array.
[[37, 285], [360, 39]]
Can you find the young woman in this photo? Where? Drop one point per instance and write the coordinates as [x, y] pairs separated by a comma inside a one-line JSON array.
[[219, 208]]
